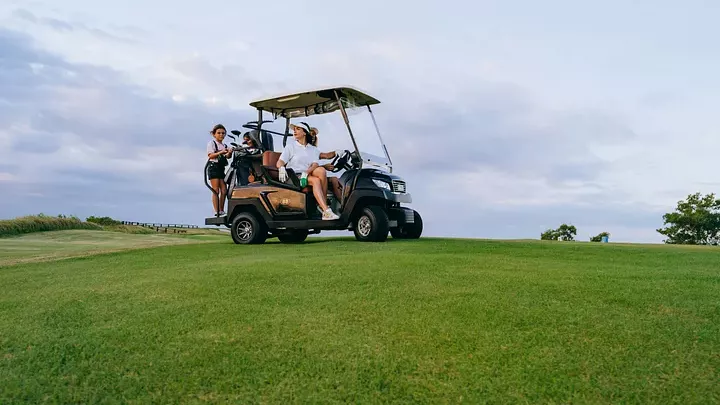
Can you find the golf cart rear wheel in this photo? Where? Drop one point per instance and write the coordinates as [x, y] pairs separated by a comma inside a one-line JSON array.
[[372, 225], [246, 229], [409, 231], [296, 236]]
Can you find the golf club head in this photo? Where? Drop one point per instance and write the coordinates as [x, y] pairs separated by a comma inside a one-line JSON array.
[[235, 132]]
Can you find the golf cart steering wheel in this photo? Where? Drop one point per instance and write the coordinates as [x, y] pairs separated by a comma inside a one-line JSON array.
[[341, 162]]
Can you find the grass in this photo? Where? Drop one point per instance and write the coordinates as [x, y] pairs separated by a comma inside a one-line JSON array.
[[42, 223], [44, 246], [448, 321], [170, 231]]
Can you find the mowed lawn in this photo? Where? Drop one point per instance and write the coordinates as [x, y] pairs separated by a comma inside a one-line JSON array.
[[330, 321], [43, 246]]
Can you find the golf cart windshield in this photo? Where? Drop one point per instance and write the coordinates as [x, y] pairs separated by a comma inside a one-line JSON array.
[[333, 134]]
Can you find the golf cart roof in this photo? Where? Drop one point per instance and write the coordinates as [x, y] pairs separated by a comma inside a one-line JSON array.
[[312, 102]]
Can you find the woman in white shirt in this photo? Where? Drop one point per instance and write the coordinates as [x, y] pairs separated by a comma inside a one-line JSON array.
[[333, 181], [218, 153], [302, 156]]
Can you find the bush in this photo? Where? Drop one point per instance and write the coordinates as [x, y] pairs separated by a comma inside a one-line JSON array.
[[598, 238], [106, 221], [42, 223]]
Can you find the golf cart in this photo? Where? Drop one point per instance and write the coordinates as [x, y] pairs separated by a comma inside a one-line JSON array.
[[370, 203]]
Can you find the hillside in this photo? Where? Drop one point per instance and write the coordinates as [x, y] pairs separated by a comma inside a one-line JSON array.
[[339, 321], [44, 246]]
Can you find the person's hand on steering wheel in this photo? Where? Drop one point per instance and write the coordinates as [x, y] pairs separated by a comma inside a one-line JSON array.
[[340, 161]]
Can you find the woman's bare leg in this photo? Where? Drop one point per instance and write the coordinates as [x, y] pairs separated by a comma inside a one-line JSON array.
[[321, 173], [223, 192], [319, 193], [215, 184], [335, 183]]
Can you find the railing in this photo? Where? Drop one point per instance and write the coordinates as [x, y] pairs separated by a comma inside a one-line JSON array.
[[162, 228], [154, 225]]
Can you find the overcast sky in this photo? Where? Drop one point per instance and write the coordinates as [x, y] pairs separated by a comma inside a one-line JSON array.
[[506, 117]]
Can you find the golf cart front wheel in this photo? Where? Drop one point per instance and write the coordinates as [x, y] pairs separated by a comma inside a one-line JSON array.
[[246, 229], [409, 231], [372, 225]]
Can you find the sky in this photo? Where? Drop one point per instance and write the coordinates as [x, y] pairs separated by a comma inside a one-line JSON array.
[[506, 118]]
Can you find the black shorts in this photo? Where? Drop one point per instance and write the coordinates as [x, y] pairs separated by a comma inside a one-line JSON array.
[[215, 171]]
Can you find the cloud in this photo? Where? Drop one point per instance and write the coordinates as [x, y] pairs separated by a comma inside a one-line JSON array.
[[482, 158], [65, 26], [81, 138]]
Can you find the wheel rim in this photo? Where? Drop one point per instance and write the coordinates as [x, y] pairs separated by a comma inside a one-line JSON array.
[[364, 226], [244, 230]]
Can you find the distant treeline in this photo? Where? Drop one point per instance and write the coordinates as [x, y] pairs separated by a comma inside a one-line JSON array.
[[42, 223]]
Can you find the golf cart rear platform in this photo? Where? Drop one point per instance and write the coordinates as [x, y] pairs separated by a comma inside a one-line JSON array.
[[217, 221], [372, 197]]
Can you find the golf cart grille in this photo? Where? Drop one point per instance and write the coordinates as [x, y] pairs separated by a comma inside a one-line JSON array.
[[398, 186]]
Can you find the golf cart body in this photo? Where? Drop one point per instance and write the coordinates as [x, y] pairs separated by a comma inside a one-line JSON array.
[[263, 206]]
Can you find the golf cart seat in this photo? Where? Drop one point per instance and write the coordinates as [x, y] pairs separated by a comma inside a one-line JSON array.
[[269, 166]]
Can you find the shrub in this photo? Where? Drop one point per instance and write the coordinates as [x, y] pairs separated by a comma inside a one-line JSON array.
[[103, 220], [42, 223]]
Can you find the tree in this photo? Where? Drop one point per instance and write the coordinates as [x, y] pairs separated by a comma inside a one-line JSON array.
[[599, 237], [696, 221], [550, 234], [564, 232]]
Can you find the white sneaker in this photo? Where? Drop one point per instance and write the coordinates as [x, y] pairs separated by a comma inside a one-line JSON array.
[[328, 215]]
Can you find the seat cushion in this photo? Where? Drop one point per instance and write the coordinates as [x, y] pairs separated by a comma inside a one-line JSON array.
[[270, 158], [269, 163]]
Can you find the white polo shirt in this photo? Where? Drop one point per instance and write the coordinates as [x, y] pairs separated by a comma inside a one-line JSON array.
[[299, 157], [211, 148]]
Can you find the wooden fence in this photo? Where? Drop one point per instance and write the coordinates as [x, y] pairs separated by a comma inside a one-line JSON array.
[[162, 228]]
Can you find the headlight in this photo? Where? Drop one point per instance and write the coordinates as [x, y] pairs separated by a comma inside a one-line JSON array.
[[382, 184]]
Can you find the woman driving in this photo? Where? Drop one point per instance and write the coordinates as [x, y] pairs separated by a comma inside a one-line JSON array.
[[302, 156]]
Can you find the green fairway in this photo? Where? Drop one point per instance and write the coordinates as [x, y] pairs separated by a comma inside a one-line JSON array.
[[428, 321], [44, 246]]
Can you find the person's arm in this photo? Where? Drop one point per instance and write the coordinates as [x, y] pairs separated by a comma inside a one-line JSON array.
[[211, 151], [284, 157], [331, 154]]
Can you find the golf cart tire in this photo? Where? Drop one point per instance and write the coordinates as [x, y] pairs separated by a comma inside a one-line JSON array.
[[297, 236], [409, 231], [372, 224], [247, 229]]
